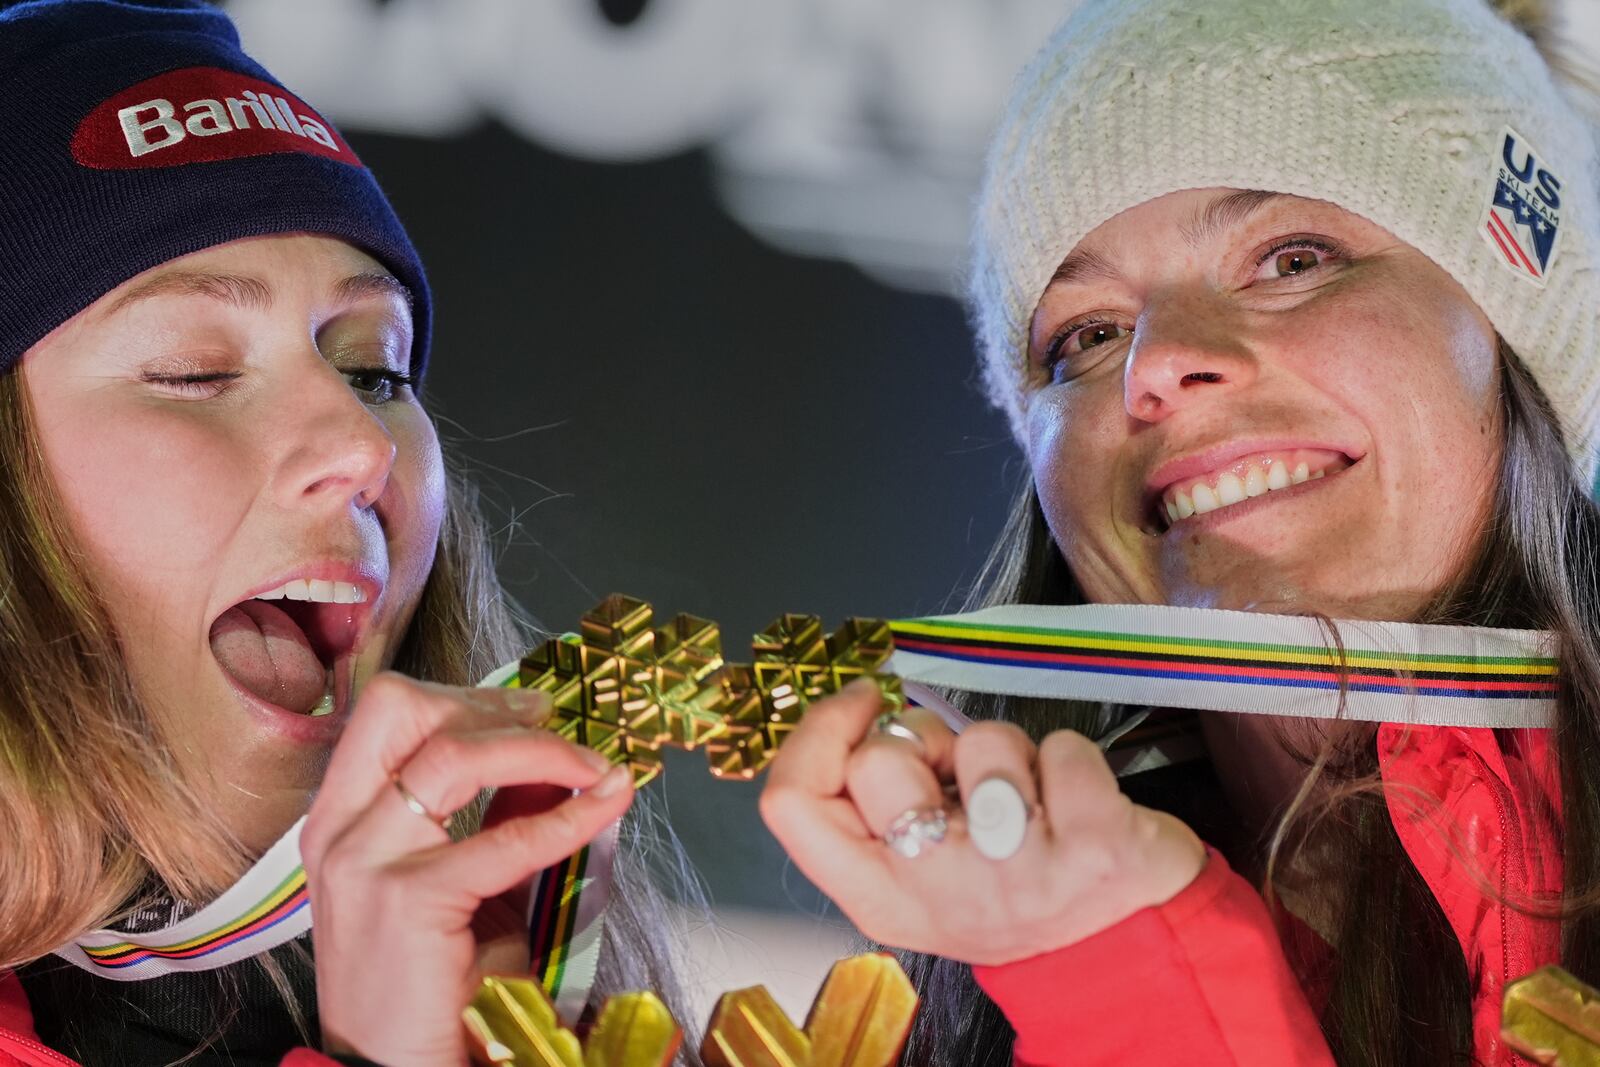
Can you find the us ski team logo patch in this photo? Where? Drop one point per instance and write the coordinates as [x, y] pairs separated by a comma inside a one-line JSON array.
[[1522, 219]]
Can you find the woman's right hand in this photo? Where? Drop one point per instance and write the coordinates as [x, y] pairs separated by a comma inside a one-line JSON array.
[[1089, 857], [407, 921]]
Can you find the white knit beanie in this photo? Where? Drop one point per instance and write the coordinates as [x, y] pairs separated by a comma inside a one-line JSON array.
[[1396, 110]]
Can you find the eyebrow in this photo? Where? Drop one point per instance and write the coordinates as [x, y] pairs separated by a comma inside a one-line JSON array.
[[372, 283], [1085, 264], [252, 294], [1224, 211]]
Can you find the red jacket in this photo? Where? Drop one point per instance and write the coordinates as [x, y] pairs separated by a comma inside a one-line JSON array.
[[1203, 979]]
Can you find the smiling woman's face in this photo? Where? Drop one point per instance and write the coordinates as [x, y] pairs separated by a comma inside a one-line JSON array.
[[231, 424], [1260, 402]]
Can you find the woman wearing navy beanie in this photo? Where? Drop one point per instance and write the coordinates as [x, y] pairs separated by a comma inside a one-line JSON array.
[[236, 576]]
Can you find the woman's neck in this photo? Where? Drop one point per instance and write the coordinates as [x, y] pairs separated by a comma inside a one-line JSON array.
[[1254, 758]]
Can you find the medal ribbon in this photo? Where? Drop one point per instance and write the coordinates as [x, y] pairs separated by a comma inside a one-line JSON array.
[[1238, 661], [263, 909], [1120, 654]]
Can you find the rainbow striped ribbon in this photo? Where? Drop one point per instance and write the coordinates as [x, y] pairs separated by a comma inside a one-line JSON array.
[[566, 920], [1237, 661], [268, 907], [566, 912], [1121, 654], [263, 909]]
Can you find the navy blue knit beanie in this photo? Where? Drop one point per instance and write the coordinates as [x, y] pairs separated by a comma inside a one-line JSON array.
[[139, 132]]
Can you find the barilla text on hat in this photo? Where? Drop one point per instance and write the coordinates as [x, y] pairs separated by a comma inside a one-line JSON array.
[[201, 114]]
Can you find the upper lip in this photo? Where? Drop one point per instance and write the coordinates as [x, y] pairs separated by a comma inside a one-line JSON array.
[[1192, 464]]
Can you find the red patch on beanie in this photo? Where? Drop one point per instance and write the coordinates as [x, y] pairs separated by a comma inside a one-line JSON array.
[[202, 114]]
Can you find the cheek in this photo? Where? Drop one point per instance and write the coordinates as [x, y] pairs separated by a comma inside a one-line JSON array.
[[1418, 366], [150, 497], [413, 505], [1072, 437]]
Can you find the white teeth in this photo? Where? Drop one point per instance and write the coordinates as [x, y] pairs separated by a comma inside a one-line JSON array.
[[1255, 484], [318, 591], [1232, 488]]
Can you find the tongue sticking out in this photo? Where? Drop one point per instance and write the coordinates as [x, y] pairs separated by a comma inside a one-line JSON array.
[[267, 653]]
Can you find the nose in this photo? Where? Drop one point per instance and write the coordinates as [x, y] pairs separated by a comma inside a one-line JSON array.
[[336, 451], [1186, 350]]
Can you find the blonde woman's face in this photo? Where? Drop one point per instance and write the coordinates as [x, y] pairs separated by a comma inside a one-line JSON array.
[[1260, 402], [234, 425]]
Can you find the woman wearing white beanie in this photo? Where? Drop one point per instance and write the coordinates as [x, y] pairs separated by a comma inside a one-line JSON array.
[[1294, 306]]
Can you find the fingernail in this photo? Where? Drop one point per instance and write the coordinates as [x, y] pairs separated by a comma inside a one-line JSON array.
[[862, 685], [530, 703], [611, 783], [594, 759]]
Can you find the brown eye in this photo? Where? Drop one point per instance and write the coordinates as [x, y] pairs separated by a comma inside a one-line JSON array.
[[1296, 261], [1076, 339], [1099, 333]]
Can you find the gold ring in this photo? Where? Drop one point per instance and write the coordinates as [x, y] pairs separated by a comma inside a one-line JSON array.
[[416, 805], [889, 725]]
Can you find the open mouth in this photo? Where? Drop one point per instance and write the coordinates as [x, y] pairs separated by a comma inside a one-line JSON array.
[[291, 647], [1242, 480]]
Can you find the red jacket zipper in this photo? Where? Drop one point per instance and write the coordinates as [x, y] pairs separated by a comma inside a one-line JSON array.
[[1511, 836], [1511, 845]]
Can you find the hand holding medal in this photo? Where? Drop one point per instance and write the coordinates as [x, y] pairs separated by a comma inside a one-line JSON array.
[[844, 802], [389, 887]]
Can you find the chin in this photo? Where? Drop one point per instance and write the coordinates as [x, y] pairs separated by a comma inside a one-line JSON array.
[[1338, 602]]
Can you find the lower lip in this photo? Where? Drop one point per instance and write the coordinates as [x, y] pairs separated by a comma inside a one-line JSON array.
[[1245, 508], [310, 730]]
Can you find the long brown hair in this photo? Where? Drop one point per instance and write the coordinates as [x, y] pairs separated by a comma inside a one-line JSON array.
[[1401, 991], [96, 808]]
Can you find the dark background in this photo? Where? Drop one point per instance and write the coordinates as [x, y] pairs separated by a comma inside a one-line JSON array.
[[657, 403]]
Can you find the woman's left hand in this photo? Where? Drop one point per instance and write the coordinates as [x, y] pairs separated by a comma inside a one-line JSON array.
[[1089, 857], [407, 921]]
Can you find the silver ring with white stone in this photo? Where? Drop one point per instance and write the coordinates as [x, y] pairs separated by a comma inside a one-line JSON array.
[[997, 818], [916, 830], [889, 725]]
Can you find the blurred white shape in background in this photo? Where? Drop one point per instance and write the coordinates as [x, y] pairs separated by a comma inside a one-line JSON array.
[[848, 129]]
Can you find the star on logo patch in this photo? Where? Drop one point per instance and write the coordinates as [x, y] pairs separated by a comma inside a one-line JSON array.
[[1522, 219]]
